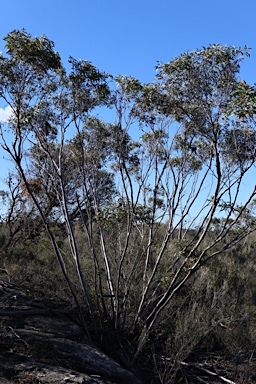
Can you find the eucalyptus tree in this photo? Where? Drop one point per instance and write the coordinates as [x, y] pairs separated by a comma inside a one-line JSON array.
[[195, 153], [46, 103], [145, 188]]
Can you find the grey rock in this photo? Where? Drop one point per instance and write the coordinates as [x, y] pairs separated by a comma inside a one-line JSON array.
[[40, 345]]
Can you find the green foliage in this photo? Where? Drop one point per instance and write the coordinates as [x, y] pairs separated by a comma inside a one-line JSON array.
[[117, 212], [244, 104], [36, 52]]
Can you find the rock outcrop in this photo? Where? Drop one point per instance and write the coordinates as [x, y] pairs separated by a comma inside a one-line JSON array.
[[42, 345]]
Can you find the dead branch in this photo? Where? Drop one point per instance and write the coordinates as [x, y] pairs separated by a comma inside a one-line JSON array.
[[201, 368]]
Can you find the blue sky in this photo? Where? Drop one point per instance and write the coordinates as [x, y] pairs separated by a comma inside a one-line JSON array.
[[129, 37]]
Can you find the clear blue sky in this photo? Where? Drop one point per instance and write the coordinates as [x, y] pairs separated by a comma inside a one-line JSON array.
[[128, 37]]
